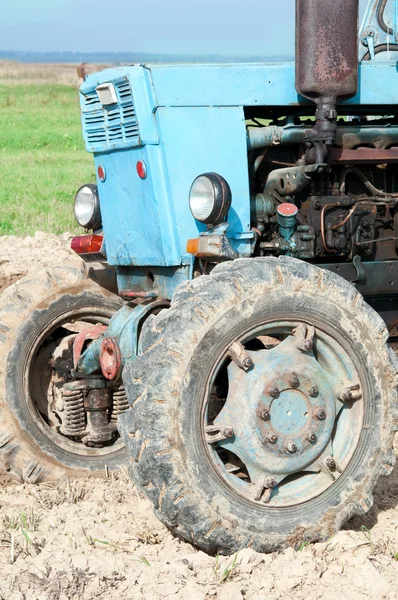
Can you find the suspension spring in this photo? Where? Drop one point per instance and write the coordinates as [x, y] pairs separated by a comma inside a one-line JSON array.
[[74, 416], [120, 403]]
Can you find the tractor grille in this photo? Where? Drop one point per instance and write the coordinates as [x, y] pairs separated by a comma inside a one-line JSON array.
[[110, 127]]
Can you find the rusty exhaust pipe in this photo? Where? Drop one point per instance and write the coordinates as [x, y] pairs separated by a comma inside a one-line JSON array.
[[326, 64]]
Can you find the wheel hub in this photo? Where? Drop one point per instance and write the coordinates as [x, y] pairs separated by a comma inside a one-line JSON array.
[[282, 411], [290, 413]]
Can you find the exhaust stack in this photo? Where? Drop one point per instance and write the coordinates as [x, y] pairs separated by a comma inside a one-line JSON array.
[[326, 64]]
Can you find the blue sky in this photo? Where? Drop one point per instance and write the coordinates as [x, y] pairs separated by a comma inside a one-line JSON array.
[[228, 27]]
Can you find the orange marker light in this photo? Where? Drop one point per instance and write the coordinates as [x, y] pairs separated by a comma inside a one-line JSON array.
[[192, 245]]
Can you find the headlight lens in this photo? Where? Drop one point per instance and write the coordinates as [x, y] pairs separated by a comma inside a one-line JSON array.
[[87, 207], [210, 198]]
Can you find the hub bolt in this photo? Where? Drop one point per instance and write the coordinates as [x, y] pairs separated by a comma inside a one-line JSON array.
[[274, 392], [247, 362], [265, 416], [228, 432], [320, 414], [270, 482], [330, 462], [314, 392], [291, 447], [271, 439], [294, 381], [311, 437]]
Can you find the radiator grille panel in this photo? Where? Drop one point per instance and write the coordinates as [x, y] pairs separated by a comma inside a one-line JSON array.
[[110, 127]]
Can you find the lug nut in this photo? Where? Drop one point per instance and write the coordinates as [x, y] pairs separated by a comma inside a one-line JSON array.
[[274, 392], [330, 463], [348, 395], [311, 437], [270, 482], [314, 392], [271, 439], [291, 447], [308, 345], [294, 381], [265, 416], [228, 432], [320, 414]]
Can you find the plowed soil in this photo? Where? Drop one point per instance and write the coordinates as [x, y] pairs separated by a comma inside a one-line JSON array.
[[98, 538]]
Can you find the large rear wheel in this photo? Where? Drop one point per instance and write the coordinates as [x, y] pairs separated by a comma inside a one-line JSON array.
[[261, 407]]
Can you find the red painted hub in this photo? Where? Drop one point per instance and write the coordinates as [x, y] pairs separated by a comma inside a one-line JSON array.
[[110, 358]]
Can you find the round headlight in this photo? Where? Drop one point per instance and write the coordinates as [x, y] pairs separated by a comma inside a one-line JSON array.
[[87, 207], [210, 198]]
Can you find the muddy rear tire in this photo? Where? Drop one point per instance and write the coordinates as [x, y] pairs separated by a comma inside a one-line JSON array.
[[34, 311], [193, 488]]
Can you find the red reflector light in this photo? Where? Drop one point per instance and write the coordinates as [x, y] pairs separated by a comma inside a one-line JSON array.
[[101, 173], [141, 169], [87, 244]]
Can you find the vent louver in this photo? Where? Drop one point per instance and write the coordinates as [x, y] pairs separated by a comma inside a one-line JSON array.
[[110, 127]]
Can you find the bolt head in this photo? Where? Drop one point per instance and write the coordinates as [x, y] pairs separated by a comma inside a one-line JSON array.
[[308, 345], [330, 462], [294, 381], [228, 432], [311, 437], [247, 362], [271, 439], [265, 415], [346, 396], [274, 392], [270, 482], [314, 392], [320, 414], [291, 447]]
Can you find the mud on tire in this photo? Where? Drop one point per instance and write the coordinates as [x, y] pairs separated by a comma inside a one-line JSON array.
[[166, 386]]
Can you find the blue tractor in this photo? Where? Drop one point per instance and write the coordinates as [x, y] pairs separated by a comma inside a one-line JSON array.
[[230, 333]]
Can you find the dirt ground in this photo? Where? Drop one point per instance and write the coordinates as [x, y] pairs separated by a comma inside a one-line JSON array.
[[99, 538]]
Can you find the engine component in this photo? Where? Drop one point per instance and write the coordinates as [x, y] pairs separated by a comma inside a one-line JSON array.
[[290, 181], [287, 219], [326, 64], [261, 208], [301, 244]]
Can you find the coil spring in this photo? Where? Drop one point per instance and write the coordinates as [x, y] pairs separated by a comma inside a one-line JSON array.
[[74, 416], [120, 403]]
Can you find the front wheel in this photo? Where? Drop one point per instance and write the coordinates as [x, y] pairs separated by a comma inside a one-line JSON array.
[[262, 409]]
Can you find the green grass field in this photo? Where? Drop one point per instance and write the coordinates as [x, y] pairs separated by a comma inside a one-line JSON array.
[[42, 158]]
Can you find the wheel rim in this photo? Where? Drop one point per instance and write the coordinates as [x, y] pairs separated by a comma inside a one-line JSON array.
[[283, 428], [42, 382]]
